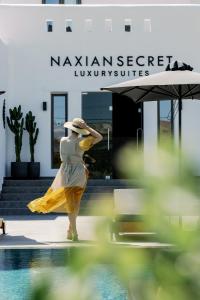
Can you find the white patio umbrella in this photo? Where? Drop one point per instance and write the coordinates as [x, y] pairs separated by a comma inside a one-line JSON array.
[[178, 82]]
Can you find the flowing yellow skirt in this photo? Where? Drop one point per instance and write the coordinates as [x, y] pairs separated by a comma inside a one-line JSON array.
[[64, 199]]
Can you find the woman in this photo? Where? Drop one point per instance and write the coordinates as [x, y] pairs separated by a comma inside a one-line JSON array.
[[69, 184]]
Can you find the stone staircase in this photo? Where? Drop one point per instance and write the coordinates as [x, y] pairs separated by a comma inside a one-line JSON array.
[[17, 193]]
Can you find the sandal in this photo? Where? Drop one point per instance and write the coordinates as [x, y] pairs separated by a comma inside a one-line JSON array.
[[75, 237]]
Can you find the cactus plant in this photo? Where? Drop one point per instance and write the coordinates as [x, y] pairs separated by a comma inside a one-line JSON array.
[[16, 123], [30, 126]]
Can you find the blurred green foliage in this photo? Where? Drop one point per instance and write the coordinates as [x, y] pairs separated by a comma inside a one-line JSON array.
[[166, 269]]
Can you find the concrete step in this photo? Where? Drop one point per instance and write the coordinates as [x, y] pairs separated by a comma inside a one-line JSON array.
[[20, 212], [43, 189], [20, 182], [85, 202], [23, 189], [30, 196], [14, 211], [23, 203], [13, 204], [48, 182], [16, 194], [25, 211], [19, 196]]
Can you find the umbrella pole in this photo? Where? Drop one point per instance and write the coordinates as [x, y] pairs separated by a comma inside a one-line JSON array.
[[179, 120], [180, 130], [180, 115]]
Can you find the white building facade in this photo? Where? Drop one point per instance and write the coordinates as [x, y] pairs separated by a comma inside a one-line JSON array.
[[60, 56]]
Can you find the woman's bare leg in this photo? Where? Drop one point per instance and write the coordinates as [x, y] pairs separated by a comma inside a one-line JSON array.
[[72, 222], [72, 225], [69, 228], [75, 206]]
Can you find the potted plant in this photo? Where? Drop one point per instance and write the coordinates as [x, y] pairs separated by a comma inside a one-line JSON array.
[[16, 123], [30, 126]]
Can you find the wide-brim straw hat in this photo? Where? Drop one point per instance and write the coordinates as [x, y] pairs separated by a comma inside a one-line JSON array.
[[74, 125]]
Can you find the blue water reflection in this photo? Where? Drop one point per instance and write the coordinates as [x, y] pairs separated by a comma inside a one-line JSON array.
[[18, 266]]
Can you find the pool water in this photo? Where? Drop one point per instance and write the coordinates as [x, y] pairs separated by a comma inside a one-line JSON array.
[[17, 268]]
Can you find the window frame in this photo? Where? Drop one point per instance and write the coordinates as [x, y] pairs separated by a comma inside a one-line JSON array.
[[68, 25], [52, 118], [61, 2], [147, 25], [128, 25], [49, 22], [108, 24]]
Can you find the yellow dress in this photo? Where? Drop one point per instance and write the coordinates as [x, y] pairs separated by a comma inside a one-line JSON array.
[[67, 189]]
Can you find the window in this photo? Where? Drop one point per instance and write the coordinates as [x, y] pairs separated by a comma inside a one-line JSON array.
[[49, 26], [58, 118], [127, 25], [72, 1], [68, 25], [165, 119], [61, 1], [108, 25], [88, 25], [52, 1], [147, 25]]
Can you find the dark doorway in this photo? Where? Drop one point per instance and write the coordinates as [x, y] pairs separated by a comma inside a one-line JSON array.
[[127, 125], [97, 112]]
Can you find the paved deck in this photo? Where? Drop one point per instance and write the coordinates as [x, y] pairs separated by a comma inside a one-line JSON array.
[[49, 231]]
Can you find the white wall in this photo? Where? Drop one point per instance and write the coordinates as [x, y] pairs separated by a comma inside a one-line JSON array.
[[26, 2], [135, 1], [21, 1], [108, 1], [31, 79], [3, 87]]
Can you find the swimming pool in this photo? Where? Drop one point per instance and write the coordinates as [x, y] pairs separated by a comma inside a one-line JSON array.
[[18, 268]]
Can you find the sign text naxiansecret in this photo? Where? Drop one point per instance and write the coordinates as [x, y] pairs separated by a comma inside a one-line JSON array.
[[94, 66]]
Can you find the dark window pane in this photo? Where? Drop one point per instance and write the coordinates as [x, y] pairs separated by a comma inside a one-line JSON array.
[[97, 106], [68, 29], [127, 28], [51, 2], [49, 26], [71, 2], [59, 115]]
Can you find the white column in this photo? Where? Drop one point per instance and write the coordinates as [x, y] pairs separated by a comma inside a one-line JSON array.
[[150, 130]]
